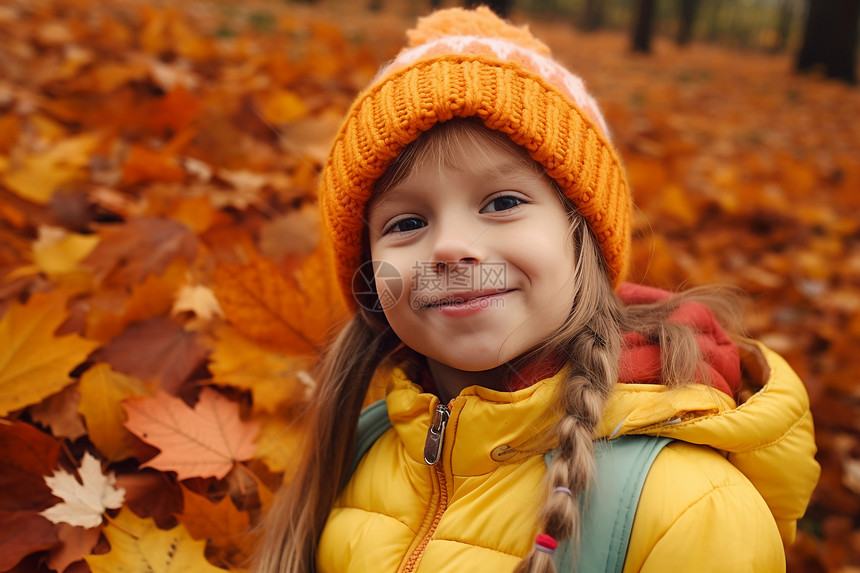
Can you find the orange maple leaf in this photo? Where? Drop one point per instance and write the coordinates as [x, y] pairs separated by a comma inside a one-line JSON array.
[[204, 442], [221, 523], [294, 313]]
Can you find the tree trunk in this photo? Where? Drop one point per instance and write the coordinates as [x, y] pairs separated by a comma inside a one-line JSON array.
[[592, 17], [830, 39], [783, 25], [714, 20], [643, 25], [500, 7], [687, 17]]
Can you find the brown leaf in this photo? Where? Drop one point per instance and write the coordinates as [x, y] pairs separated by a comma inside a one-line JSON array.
[[60, 413], [26, 455], [129, 252], [150, 493], [24, 532], [221, 523], [75, 543], [157, 349]]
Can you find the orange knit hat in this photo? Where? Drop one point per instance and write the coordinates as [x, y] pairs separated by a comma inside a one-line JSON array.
[[470, 63]]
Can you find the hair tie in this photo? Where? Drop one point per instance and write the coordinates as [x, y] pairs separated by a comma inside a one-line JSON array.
[[561, 489], [545, 543]]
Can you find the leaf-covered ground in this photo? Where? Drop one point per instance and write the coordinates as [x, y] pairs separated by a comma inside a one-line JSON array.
[[162, 292]]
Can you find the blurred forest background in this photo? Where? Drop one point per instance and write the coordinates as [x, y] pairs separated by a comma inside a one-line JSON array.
[[163, 293]]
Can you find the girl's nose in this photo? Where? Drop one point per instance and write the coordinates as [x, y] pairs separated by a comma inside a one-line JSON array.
[[457, 246]]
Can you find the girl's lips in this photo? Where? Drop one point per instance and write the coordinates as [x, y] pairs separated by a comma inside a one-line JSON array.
[[465, 304]]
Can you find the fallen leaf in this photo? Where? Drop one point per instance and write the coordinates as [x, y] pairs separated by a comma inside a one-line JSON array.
[[281, 106], [59, 412], [206, 441], [59, 252], [38, 175], [33, 362], [75, 544], [273, 378], [85, 502], [157, 349], [150, 493], [292, 313], [102, 391], [199, 300], [24, 532], [139, 545], [281, 442], [26, 454], [129, 252], [296, 233], [112, 310], [146, 165], [221, 523]]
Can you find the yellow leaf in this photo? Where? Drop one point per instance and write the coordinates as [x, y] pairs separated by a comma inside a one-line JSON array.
[[139, 545], [272, 378], [282, 106], [39, 175], [58, 252], [34, 363], [102, 391], [280, 443]]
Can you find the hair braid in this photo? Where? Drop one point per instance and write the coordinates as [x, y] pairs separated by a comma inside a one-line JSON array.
[[594, 345]]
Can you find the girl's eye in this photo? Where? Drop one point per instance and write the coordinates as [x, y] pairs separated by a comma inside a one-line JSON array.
[[502, 203], [404, 225]]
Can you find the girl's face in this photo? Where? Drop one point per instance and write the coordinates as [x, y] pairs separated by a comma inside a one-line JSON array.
[[482, 241]]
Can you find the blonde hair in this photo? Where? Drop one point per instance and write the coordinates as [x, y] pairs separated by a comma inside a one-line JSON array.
[[590, 340]]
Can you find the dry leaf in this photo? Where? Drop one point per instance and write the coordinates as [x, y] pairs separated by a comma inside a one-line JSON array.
[[26, 455], [221, 523], [296, 233], [39, 175], [128, 253], [139, 545], [59, 252], [24, 532], [59, 412], [75, 543], [157, 349], [85, 502], [273, 378], [33, 362], [206, 441], [197, 299], [293, 313], [102, 391]]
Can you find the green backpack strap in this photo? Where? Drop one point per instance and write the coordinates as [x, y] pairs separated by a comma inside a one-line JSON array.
[[622, 466], [609, 509], [372, 423]]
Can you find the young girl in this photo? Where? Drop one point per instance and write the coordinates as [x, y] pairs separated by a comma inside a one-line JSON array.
[[476, 178]]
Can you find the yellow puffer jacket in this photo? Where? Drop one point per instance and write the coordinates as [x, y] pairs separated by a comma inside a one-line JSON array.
[[716, 500]]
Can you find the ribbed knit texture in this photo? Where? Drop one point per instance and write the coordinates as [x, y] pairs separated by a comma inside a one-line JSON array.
[[547, 113]]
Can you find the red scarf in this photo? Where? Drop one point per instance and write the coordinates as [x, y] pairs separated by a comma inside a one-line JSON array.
[[640, 359]]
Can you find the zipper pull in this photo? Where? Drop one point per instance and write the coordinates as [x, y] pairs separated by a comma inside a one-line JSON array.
[[435, 436]]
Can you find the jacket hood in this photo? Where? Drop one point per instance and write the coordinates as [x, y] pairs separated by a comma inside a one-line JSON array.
[[768, 434]]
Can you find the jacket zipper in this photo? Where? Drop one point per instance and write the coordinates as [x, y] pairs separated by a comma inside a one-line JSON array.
[[432, 455], [436, 435]]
